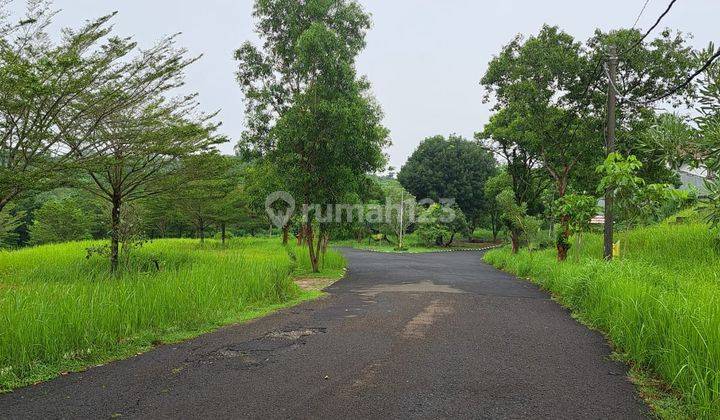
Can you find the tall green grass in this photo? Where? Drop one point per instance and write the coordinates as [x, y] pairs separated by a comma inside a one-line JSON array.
[[61, 310], [659, 302]]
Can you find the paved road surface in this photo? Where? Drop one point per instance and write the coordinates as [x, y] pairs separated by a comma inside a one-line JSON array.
[[428, 336]]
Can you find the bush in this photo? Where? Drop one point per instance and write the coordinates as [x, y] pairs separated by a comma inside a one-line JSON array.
[[60, 220]]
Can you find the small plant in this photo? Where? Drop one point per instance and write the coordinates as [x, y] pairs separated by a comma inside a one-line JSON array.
[[578, 210]]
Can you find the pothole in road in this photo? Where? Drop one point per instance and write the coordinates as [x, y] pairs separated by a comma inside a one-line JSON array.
[[295, 334], [260, 348]]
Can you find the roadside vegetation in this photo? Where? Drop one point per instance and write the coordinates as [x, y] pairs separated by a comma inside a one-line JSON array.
[[659, 303], [60, 310], [657, 295]]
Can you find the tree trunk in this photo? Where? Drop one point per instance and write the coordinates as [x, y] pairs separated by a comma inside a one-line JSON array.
[[563, 244], [325, 242], [115, 233], [286, 234], [223, 232], [495, 227], [515, 241], [448, 243], [310, 239]]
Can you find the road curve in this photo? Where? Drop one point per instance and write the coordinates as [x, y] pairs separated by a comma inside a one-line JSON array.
[[412, 335]]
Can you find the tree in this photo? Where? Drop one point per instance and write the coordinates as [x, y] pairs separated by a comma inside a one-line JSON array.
[[513, 216], [55, 96], [400, 210], [306, 108], [493, 187], [60, 220], [638, 201], [262, 178], [439, 225], [504, 136], [550, 87], [205, 197], [452, 168], [10, 220], [135, 154]]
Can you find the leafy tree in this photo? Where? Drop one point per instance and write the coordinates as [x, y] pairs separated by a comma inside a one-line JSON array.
[[513, 215], [206, 197], [505, 136], [55, 96], [306, 108], [554, 96], [452, 168], [400, 211], [439, 225], [262, 178], [60, 220], [135, 154], [10, 220], [638, 201], [493, 187]]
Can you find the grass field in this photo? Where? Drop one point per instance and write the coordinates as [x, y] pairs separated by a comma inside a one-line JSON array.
[[659, 303], [61, 311]]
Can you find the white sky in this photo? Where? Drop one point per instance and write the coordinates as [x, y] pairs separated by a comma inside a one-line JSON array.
[[424, 57]]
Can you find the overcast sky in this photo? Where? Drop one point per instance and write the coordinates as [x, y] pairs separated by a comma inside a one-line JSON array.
[[424, 57]]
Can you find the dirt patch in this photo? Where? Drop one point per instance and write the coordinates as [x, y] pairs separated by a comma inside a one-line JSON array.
[[422, 287], [417, 326], [314, 284]]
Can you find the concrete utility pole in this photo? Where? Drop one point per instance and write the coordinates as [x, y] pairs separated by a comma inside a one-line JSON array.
[[610, 148]]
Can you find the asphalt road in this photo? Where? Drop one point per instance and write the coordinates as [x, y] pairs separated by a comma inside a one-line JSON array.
[[421, 336]]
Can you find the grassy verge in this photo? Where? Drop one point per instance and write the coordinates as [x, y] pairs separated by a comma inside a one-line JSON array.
[[659, 304], [60, 311], [412, 246]]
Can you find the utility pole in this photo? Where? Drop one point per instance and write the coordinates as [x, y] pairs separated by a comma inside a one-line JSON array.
[[610, 148]]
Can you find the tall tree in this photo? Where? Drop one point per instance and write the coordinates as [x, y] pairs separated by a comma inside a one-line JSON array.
[[306, 107], [452, 168], [554, 88], [134, 154], [54, 96]]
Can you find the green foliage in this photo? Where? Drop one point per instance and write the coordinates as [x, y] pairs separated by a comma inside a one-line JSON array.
[[636, 200], [619, 175], [658, 303], [439, 225], [307, 109], [452, 168], [10, 220], [60, 220], [578, 210]]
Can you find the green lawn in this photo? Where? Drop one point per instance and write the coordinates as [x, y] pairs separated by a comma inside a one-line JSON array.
[[60, 311], [659, 304]]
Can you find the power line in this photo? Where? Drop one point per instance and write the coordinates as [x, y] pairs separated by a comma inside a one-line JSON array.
[[652, 28], [689, 80], [641, 13], [670, 92]]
